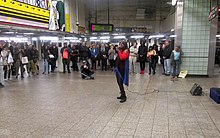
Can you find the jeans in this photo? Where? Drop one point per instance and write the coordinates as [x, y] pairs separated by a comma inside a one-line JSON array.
[[132, 64], [120, 84], [167, 66], [46, 66], [176, 68]]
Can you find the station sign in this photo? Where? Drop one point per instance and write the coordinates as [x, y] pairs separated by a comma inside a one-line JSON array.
[[101, 27]]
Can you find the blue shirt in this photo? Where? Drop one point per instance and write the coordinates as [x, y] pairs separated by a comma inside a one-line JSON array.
[[176, 55]]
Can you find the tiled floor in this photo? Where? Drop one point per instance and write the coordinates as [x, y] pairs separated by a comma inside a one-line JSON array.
[[63, 105]]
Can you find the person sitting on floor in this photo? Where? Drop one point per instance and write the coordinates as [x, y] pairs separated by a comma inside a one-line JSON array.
[[86, 72]]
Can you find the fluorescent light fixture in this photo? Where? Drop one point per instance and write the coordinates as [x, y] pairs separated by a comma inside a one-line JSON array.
[[172, 36], [34, 39], [119, 37], [105, 37], [118, 34], [104, 33], [156, 36], [105, 41], [18, 39], [97, 40], [76, 41], [8, 32], [217, 35], [93, 38], [28, 33], [71, 38], [172, 30], [4, 38], [85, 39], [174, 2], [49, 38], [137, 36]]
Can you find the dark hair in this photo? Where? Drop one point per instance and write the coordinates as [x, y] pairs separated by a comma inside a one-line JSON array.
[[125, 45]]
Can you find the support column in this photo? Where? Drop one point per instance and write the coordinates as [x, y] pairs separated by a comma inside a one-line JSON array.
[[60, 63], [194, 36]]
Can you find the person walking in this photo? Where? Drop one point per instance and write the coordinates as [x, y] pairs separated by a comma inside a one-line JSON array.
[[133, 58], [122, 69]]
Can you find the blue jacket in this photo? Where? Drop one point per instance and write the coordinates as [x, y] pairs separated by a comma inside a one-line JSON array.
[[94, 52]]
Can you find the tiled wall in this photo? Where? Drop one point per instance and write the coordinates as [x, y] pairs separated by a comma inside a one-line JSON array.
[[195, 36]]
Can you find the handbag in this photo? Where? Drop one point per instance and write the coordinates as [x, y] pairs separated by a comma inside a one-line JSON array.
[[10, 59], [24, 60]]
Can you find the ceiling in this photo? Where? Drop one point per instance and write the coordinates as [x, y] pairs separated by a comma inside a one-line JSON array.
[[129, 9]]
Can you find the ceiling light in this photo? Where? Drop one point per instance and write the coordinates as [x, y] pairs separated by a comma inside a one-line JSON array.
[[156, 36], [4, 38], [172, 30], [105, 37], [8, 32], [172, 36], [137, 36], [174, 2], [93, 38], [71, 38], [28, 33], [217, 35], [49, 38], [119, 37], [34, 39]]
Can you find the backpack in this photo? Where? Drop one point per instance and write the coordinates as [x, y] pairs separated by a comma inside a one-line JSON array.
[[65, 54]]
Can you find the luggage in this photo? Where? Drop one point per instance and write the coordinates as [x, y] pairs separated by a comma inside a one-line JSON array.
[[196, 90], [215, 94]]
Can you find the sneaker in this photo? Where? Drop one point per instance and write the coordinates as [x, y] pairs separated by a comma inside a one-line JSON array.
[[123, 100], [1, 85]]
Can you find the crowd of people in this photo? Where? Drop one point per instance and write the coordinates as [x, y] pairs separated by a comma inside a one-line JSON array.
[[18, 58]]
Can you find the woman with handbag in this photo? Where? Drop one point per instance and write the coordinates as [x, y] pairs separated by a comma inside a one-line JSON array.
[[7, 62]]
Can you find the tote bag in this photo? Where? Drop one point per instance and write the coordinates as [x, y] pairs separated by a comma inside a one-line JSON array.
[[10, 59], [24, 60]]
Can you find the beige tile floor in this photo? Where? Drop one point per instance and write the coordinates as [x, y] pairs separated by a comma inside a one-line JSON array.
[[63, 105]]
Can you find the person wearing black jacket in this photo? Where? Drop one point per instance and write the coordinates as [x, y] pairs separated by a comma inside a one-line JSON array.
[[53, 50], [104, 57], [160, 53], [166, 56], [1, 48], [45, 56], [142, 53], [30, 65], [74, 58]]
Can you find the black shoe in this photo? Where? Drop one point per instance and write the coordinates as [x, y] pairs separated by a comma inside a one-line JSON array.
[[22, 77], [1, 85], [119, 97], [154, 73], [69, 72], [149, 73], [123, 100]]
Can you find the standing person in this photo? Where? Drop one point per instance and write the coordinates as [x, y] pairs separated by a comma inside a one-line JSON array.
[[1, 48], [74, 58], [6, 56], [53, 50], [122, 69], [142, 53], [111, 57], [45, 56], [160, 53], [176, 61], [152, 59], [104, 57], [66, 51], [18, 54], [133, 58], [166, 56], [30, 65], [83, 52], [35, 60], [94, 54]]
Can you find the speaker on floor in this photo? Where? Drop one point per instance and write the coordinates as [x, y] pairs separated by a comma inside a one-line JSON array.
[[196, 90]]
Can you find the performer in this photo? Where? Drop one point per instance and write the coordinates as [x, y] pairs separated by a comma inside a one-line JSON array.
[[122, 69]]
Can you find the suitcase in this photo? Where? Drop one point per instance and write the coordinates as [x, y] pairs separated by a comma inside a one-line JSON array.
[[215, 94], [196, 90]]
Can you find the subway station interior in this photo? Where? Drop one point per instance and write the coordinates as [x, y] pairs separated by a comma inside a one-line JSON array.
[[109, 69]]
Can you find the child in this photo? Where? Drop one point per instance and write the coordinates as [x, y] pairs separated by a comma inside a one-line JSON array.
[[86, 72]]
